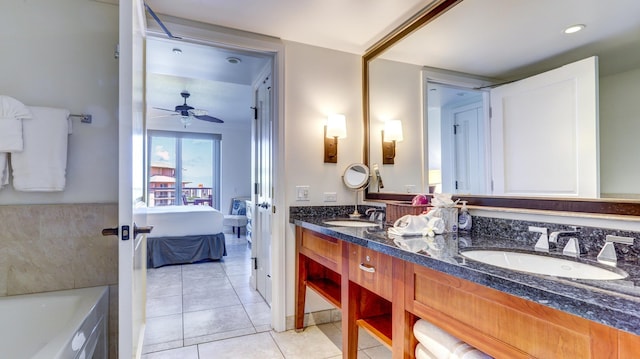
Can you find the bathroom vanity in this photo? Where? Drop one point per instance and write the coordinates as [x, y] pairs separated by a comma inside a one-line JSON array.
[[385, 290]]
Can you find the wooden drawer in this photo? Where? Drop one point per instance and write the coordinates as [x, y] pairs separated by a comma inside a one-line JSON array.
[[322, 249], [371, 270], [500, 324]]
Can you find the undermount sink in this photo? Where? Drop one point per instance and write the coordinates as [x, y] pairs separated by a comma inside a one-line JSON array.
[[348, 223], [539, 264]]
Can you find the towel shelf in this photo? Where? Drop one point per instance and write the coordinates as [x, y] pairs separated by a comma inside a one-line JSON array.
[[84, 118]]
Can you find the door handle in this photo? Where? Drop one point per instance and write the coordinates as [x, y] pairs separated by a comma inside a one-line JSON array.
[[110, 231], [264, 205], [141, 230]]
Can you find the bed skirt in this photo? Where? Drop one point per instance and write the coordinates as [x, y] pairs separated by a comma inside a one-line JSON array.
[[186, 249]]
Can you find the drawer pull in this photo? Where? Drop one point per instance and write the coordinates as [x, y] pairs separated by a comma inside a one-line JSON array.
[[367, 268]]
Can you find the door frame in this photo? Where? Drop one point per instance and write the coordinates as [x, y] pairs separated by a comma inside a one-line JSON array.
[[212, 35]]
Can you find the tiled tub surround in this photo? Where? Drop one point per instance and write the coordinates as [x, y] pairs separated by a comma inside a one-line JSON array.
[[613, 303], [46, 248]]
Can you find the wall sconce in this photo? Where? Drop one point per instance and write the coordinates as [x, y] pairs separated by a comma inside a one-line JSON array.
[[335, 128], [391, 134]]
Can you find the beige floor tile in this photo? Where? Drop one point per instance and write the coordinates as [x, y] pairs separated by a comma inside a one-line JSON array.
[[308, 344], [210, 299], [190, 352], [214, 321], [163, 329], [219, 336], [259, 313], [257, 346], [379, 352], [162, 306]]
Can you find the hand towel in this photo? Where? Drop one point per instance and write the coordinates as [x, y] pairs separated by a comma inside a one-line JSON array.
[[423, 353], [42, 165], [4, 169], [420, 225], [12, 112], [443, 345]]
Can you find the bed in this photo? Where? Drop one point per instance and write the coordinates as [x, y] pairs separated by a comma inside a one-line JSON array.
[[184, 234]]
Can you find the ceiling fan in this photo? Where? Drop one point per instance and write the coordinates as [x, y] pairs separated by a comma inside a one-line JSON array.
[[187, 112]]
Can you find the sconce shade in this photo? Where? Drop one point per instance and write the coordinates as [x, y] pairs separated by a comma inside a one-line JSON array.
[[336, 126], [391, 134], [393, 131]]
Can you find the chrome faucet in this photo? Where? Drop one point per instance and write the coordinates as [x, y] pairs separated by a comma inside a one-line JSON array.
[[553, 237], [607, 254], [375, 214]]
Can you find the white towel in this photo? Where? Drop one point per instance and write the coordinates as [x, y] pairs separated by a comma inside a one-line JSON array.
[[443, 345], [4, 169], [42, 165], [12, 112], [423, 353]]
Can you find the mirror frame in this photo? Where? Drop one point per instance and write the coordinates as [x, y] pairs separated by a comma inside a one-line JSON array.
[[432, 11]]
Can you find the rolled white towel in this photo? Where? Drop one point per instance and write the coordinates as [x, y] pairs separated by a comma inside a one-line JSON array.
[[4, 169], [42, 165], [423, 353], [12, 112], [444, 345]]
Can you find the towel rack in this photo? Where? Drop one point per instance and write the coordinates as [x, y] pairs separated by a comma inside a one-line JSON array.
[[84, 118]]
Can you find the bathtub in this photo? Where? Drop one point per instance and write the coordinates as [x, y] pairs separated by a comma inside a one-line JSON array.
[[63, 324]]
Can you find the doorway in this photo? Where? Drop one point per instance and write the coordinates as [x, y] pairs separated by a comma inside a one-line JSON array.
[[457, 140], [236, 137]]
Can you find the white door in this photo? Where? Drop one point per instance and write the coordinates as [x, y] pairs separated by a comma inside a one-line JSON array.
[[544, 133], [132, 247], [263, 166], [469, 149]]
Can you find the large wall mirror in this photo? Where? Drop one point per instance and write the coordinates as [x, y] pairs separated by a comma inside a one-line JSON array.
[[500, 107]]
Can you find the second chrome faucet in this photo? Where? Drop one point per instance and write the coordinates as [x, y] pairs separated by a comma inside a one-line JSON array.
[[545, 242]]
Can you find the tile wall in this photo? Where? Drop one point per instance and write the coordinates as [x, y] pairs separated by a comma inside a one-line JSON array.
[[56, 247]]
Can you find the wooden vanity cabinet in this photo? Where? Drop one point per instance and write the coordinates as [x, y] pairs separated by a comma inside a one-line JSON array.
[[500, 324], [318, 267], [387, 295]]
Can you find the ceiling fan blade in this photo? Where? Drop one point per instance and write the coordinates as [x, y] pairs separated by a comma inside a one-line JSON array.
[[208, 118], [164, 109]]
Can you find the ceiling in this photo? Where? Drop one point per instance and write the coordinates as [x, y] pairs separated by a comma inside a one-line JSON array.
[[224, 89], [503, 38]]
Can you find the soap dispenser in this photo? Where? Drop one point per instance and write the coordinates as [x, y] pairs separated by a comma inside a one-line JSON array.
[[464, 219]]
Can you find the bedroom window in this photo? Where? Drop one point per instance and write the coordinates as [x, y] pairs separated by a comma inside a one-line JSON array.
[[184, 169]]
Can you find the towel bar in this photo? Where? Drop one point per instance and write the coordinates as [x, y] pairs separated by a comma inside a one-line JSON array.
[[84, 118]]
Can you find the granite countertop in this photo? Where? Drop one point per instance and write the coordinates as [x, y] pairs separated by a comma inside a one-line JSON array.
[[615, 303]]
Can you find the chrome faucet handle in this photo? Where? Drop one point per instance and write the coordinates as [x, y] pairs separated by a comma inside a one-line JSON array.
[[542, 245], [607, 254], [572, 249]]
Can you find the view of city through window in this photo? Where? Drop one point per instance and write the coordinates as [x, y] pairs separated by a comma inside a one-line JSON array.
[[181, 170]]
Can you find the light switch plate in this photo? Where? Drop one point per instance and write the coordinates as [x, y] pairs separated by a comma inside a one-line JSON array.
[[302, 193], [410, 188], [330, 197]]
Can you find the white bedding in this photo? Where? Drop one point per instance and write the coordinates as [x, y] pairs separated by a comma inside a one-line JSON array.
[[174, 221]]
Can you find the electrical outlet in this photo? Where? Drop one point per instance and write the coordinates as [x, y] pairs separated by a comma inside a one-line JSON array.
[[302, 193], [330, 197], [410, 188]]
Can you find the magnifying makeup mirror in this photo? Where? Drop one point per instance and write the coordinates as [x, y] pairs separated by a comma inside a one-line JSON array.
[[356, 177]]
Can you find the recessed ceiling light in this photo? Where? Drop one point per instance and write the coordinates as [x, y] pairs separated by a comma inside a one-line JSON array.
[[177, 51], [574, 28], [233, 60]]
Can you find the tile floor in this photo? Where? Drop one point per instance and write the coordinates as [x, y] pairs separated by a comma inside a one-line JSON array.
[[207, 310]]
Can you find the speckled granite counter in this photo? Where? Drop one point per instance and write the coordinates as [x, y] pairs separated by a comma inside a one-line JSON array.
[[614, 303]]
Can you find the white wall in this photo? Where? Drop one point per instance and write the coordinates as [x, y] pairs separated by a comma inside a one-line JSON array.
[[318, 82], [619, 129], [61, 54]]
